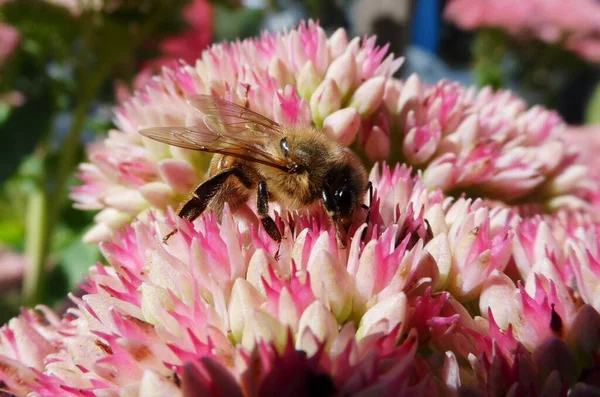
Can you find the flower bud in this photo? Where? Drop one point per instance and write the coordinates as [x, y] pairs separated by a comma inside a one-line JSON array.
[[128, 201], [421, 143], [384, 316], [280, 72], [308, 80], [158, 194], [343, 125], [391, 95], [178, 174], [567, 181], [261, 326], [242, 302], [325, 100], [368, 96], [377, 145], [439, 174], [440, 251], [410, 95], [331, 283], [343, 72], [154, 303], [499, 294], [316, 322], [98, 233], [337, 43]]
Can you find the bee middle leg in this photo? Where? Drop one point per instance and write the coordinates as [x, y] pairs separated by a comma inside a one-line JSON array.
[[262, 204]]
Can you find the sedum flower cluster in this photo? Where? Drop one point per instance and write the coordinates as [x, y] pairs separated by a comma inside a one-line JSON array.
[[486, 144], [573, 25], [478, 272]]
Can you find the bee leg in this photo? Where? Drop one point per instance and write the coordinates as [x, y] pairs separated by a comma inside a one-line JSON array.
[[370, 189], [334, 213], [247, 100], [262, 203], [368, 208], [201, 197]]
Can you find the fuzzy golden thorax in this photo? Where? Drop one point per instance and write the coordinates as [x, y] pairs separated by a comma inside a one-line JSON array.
[[314, 160]]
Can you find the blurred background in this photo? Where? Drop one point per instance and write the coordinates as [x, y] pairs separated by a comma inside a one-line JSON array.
[[64, 64]]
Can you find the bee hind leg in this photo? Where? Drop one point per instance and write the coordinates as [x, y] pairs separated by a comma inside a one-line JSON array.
[[262, 203], [201, 197]]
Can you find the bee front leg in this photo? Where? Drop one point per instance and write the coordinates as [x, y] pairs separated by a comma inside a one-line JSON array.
[[195, 206], [368, 209], [262, 204], [334, 212]]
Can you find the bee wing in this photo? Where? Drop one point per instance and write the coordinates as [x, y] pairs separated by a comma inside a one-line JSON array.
[[226, 129], [221, 113]]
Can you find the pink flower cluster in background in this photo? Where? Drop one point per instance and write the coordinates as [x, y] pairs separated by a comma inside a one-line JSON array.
[[574, 25], [9, 40], [463, 282], [186, 46]]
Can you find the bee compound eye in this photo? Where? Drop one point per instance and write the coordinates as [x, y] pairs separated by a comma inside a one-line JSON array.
[[283, 144], [344, 199]]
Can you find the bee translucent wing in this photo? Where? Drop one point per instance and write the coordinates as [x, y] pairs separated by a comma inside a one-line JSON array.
[[221, 114], [226, 129]]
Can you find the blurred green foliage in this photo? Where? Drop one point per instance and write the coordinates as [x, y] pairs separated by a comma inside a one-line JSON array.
[[593, 110], [538, 69], [236, 22], [66, 66]]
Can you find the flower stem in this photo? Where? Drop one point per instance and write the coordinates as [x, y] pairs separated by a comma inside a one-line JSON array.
[[36, 246], [43, 212], [46, 204], [69, 154], [489, 50]]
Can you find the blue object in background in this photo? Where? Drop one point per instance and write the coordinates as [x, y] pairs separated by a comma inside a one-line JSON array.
[[426, 25]]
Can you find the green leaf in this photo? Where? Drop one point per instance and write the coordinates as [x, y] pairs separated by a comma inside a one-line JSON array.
[[75, 260], [47, 30], [12, 232], [236, 23], [9, 306], [592, 115], [22, 131]]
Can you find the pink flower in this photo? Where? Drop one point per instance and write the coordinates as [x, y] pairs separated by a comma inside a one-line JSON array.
[[186, 46], [208, 308], [471, 243], [189, 45], [12, 266], [564, 248], [457, 283], [573, 25], [535, 311], [489, 145], [9, 39], [218, 310], [76, 7], [292, 78]]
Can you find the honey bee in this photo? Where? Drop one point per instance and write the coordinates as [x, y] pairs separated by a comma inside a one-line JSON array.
[[299, 167]]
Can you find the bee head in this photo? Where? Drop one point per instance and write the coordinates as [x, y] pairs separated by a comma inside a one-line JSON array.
[[346, 189]]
